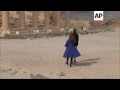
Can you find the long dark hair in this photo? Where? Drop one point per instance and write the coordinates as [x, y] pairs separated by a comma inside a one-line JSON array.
[[72, 38]]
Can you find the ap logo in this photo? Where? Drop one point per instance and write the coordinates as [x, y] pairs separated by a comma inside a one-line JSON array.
[[98, 16]]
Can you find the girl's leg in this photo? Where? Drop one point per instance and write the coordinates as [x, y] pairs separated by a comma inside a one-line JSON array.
[[67, 60], [71, 62], [74, 59]]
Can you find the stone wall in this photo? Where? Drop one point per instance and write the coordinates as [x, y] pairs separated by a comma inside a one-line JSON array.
[[79, 24], [14, 18]]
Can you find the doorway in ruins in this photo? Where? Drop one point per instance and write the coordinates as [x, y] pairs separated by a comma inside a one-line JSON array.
[[52, 19]]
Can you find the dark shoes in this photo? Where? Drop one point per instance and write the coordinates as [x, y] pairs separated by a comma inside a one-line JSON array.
[[67, 63], [74, 61], [70, 64]]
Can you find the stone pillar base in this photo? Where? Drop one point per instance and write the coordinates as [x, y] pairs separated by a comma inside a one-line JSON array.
[[2, 35], [3, 29]]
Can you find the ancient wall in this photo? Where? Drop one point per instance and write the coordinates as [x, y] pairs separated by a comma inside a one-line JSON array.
[[14, 18], [79, 24]]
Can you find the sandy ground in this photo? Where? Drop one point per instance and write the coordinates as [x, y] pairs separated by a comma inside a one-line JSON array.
[[100, 57]]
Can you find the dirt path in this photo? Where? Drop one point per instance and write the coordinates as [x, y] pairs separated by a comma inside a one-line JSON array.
[[100, 57]]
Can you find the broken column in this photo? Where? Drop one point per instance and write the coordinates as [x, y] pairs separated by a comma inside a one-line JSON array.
[[67, 19], [47, 19], [5, 21], [57, 19], [22, 19], [35, 19]]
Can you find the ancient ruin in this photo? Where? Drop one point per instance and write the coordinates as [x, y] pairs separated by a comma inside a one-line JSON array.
[[13, 21]]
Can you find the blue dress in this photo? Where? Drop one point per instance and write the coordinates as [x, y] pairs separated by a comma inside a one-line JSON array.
[[71, 50]]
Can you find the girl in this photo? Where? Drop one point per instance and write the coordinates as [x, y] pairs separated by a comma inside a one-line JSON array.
[[71, 51]]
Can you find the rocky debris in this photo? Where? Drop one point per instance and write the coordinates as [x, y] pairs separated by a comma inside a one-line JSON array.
[[5, 70], [62, 74], [10, 71], [38, 76], [13, 73], [110, 22], [57, 73]]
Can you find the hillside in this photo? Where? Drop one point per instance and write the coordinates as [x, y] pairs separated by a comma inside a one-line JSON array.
[[108, 15]]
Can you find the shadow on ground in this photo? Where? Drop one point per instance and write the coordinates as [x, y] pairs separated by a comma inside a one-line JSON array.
[[87, 62]]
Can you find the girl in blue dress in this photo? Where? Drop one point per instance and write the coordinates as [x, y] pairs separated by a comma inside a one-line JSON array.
[[71, 50]]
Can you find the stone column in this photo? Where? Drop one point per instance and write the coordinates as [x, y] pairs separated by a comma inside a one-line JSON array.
[[5, 21], [47, 19], [67, 19], [57, 19], [35, 19], [22, 19]]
